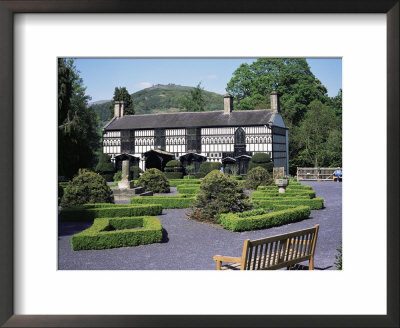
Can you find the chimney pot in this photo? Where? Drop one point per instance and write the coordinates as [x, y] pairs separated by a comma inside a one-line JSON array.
[[228, 103]]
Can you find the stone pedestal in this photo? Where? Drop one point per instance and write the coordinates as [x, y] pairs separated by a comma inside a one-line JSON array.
[[124, 183], [282, 184]]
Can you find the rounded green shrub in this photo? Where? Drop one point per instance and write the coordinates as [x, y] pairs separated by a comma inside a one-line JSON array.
[[261, 160], [154, 180], [174, 170], [207, 167], [258, 176], [219, 194], [136, 170], [105, 168], [86, 187]]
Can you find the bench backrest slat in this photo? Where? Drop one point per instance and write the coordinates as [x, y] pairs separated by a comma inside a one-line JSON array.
[[279, 251]]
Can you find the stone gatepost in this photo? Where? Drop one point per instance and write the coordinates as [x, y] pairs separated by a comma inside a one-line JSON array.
[[124, 183]]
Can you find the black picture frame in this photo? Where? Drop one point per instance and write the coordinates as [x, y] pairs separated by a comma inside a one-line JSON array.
[[7, 201]]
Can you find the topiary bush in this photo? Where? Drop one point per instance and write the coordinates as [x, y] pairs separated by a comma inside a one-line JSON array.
[[207, 167], [154, 180], [86, 187], [261, 160], [256, 177], [174, 170], [136, 171], [105, 168], [218, 194]]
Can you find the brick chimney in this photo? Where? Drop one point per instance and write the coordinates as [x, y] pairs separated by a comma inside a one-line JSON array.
[[228, 104], [274, 101]]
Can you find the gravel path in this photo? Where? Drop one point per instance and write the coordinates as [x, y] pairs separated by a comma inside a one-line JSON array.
[[185, 240]]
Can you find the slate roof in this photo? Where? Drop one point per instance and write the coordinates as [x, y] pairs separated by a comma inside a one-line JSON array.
[[192, 120]]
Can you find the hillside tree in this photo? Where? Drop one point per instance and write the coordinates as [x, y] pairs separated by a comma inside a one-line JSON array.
[[195, 102]]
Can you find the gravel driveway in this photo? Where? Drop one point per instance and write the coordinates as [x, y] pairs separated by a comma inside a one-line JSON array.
[[185, 240]]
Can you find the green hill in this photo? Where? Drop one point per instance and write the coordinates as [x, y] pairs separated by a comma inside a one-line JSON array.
[[161, 99]]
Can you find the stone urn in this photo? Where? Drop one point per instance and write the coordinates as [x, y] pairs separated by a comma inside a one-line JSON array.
[[282, 184]]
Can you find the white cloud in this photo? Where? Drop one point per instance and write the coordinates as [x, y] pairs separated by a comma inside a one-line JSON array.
[[144, 85]]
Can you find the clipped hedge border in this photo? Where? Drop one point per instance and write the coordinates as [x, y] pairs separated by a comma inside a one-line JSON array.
[[245, 222], [89, 212], [176, 182], [174, 175], [118, 232], [264, 194], [165, 201], [188, 189], [313, 204], [189, 177], [289, 187]]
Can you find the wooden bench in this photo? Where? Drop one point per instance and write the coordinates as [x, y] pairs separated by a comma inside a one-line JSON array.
[[274, 252]]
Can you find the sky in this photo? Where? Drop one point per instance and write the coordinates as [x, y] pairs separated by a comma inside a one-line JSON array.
[[102, 75]]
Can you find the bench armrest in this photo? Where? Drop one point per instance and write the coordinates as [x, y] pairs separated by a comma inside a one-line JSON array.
[[220, 259], [227, 259]]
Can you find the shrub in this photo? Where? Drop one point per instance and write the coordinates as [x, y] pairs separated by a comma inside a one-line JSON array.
[[219, 194], [136, 170], [154, 180], [256, 177], [89, 212], [261, 220], [87, 187], [118, 176], [207, 167], [105, 168], [174, 170], [118, 232], [178, 201], [261, 160]]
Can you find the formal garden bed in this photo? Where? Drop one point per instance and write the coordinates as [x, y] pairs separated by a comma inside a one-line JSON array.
[[118, 232]]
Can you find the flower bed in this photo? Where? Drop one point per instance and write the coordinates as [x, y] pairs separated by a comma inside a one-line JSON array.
[[118, 232], [89, 212]]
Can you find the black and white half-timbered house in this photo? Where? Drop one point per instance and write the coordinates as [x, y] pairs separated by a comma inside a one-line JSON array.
[[230, 137]]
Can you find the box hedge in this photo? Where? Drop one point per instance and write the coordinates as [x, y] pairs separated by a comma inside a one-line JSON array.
[[188, 177], [313, 204], [257, 219], [89, 212], [177, 182], [303, 193], [289, 187], [188, 189], [118, 232], [174, 175], [178, 201]]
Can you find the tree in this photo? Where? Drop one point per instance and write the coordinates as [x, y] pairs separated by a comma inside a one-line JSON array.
[[251, 86], [122, 94], [320, 124], [105, 168], [336, 104], [78, 139], [195, 102], [258, 176]]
